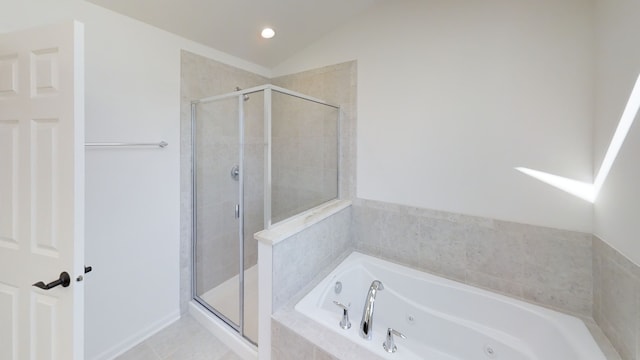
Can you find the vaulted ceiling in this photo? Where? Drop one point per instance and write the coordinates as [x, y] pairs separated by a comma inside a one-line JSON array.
[[234, 26]]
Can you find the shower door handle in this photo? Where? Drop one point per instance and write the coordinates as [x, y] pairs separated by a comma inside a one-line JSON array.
[[235, 172], [237, 211]]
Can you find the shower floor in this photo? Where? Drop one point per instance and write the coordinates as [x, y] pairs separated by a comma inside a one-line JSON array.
[[224, 298]]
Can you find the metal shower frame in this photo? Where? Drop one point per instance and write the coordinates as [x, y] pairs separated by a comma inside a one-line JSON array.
[[240, 94]]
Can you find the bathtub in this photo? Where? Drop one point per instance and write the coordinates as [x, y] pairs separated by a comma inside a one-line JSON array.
[[443, 319]]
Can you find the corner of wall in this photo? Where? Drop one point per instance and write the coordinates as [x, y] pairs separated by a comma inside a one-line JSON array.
[[616, 291]]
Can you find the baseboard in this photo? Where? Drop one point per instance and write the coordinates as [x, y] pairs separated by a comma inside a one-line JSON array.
[[221, 330], [138, 337]]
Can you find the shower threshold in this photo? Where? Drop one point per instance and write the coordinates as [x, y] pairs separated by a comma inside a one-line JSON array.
[[224, 298]]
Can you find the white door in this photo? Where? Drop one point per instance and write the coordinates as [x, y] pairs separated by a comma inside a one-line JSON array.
[[42, 192]]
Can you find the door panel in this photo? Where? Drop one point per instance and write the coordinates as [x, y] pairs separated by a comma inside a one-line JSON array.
[[8, 183], [9, 323], [217, 144], [43, 336], [44, 200], [41, 192]]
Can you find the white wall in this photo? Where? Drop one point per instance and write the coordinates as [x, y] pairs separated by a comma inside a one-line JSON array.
[[452, 95], [132, 196], [618, 65]]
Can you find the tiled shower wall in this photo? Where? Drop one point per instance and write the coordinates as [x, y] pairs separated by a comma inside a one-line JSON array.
[[335, 84], [616, 301], [217, 151], [304, 159], [202, 77]]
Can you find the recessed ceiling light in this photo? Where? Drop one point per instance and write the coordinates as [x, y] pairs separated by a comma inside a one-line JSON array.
[[268, 33]]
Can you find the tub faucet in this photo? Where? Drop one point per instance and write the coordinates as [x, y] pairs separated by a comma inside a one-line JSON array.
[[366, 325]]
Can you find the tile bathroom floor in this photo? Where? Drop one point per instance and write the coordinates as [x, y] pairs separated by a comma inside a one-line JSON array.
[[185, 339]]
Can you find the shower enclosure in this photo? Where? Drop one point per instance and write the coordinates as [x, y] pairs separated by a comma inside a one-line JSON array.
[[260, 156]]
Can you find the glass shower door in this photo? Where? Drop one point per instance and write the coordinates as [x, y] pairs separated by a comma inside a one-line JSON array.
[[217, 207]]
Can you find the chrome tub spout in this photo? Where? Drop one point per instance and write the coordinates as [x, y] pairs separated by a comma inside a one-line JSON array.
[[366, 325]]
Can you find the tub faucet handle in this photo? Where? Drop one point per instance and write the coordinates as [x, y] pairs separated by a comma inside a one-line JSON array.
[[389, 344], [344, 323]]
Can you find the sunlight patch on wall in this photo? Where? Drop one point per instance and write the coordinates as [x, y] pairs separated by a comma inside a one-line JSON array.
[[580, 189], [586, 191]]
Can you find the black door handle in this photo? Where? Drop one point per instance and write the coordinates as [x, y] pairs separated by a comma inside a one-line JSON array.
[[64, 280]]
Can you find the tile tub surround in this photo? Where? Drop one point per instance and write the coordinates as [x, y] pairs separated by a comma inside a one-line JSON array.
[[291, 336], [617, 298], [293, 253], [295, 336], [299, 258], [450, 245], [544, 266]]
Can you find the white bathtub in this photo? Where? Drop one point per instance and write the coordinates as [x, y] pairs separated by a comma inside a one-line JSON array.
[[444, 319]]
